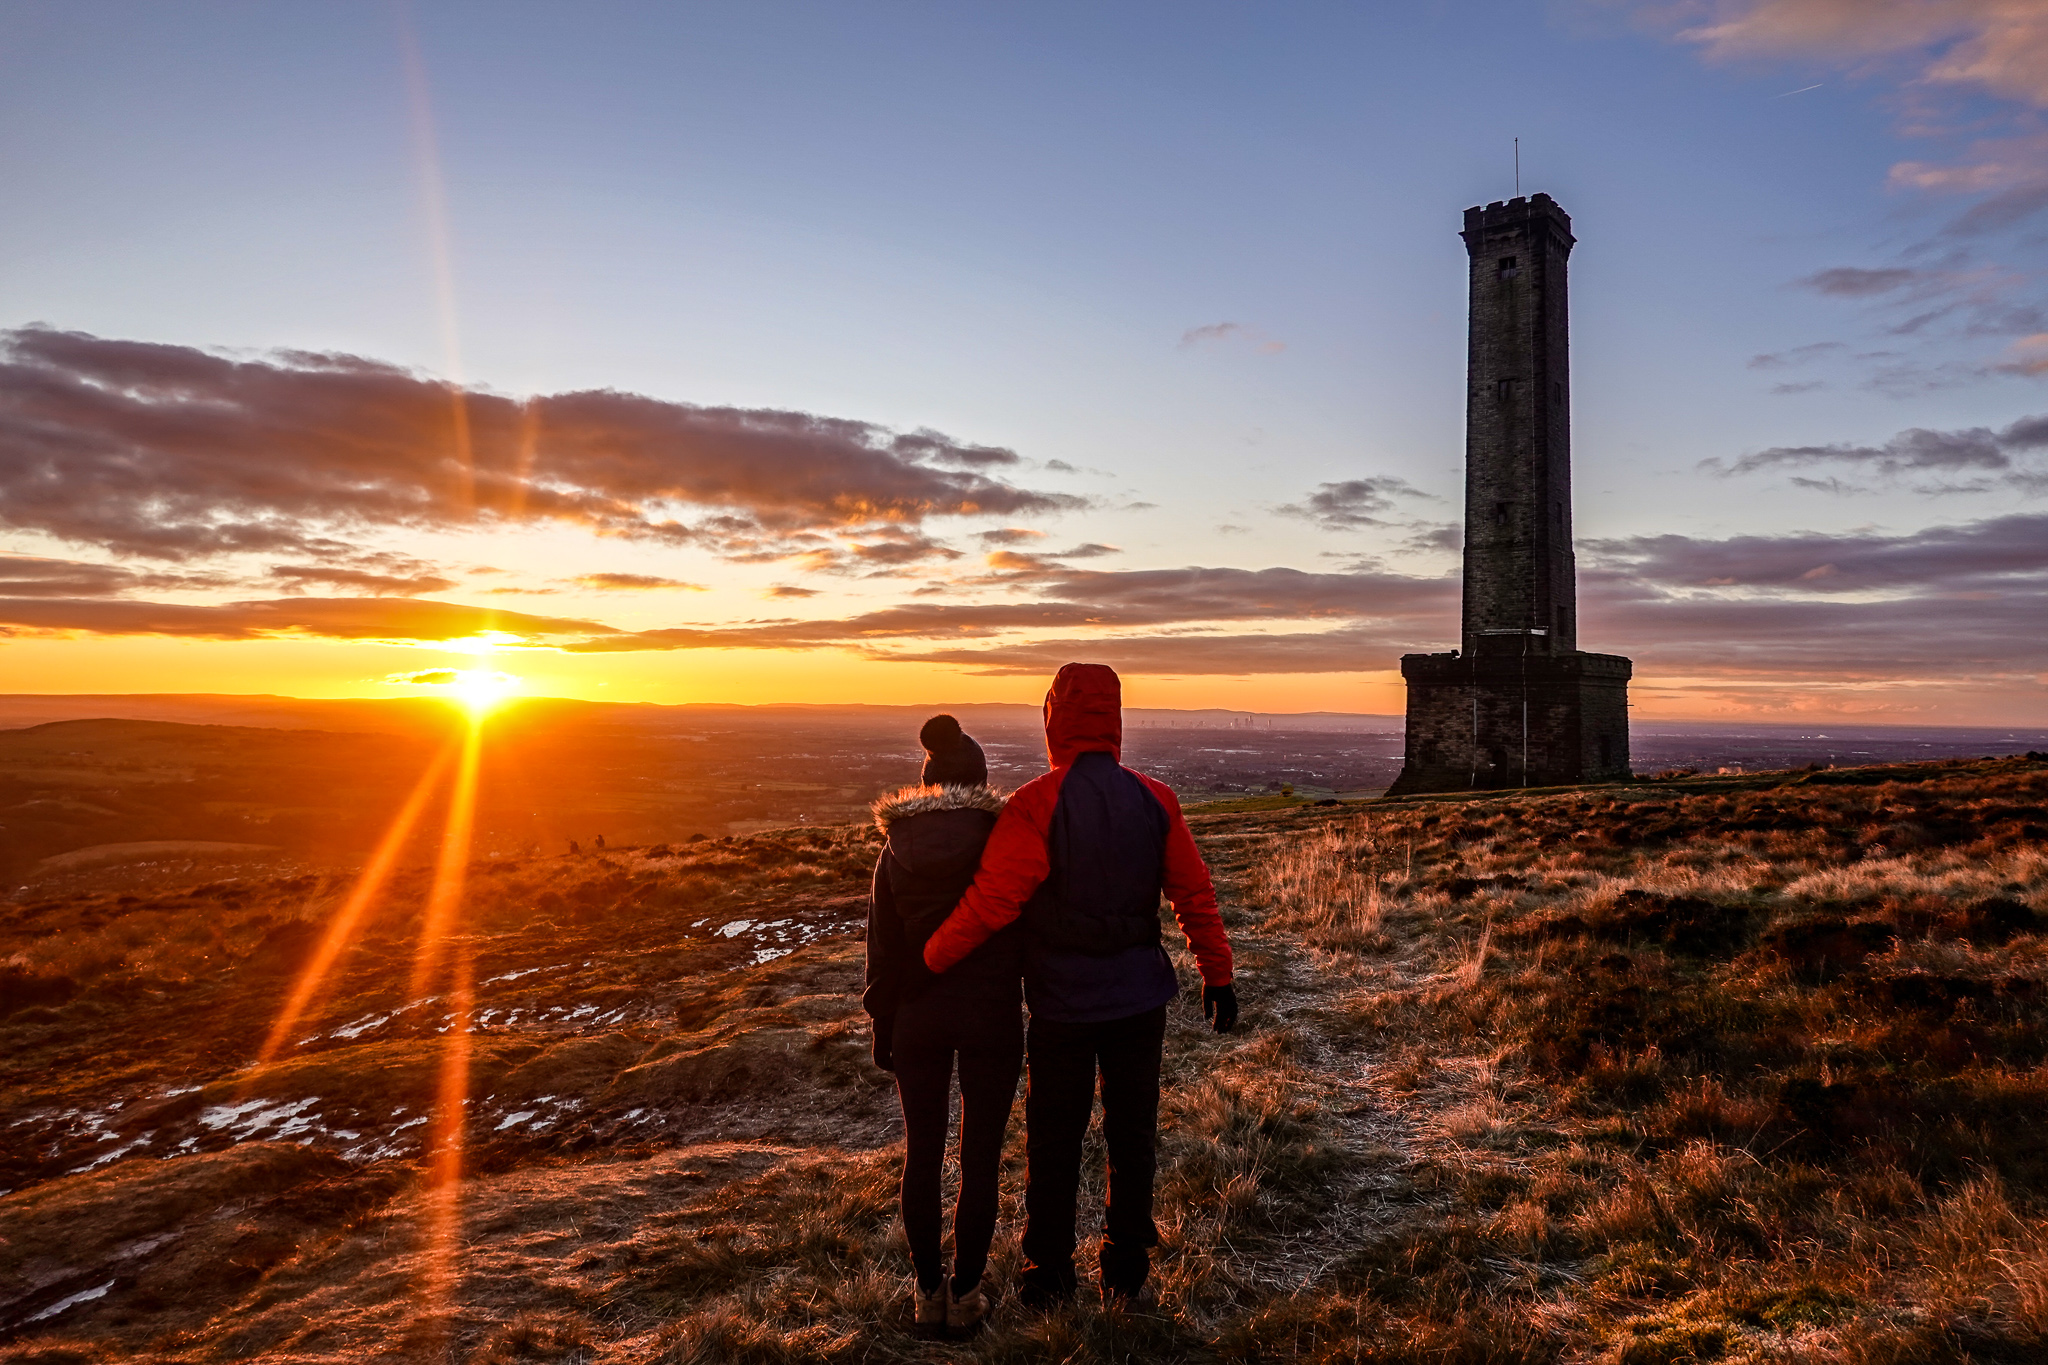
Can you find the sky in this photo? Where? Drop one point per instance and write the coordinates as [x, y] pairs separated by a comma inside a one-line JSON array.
[[900, 352]]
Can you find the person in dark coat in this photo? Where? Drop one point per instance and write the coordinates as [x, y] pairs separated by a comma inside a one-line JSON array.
[[923, 1024]]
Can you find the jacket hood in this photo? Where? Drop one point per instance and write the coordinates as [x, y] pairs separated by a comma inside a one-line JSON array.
[[909, 801], [1084, 714]]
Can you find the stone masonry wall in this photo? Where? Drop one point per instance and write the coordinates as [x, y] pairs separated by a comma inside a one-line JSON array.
[[1519, 570]]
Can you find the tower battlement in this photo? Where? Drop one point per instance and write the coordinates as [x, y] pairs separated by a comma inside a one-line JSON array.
[[1518, 704], [1506, 213]]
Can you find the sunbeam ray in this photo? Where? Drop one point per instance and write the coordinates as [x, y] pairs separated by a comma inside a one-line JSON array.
[[444, 900], [434, 202], [445, 1137], [370, 883]]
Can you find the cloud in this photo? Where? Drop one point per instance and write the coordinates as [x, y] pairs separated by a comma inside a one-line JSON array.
[[395, 619], [37, 576], [2029, 357], [1352, 503], [1231, 331], [174, 452], [784, 590], [1009, 535], [1949, 602], [1942, 56], [633, 582], [1798, 355], [2000, 46], [1049, 561], [2001, 211], [1855, 283], [298, 577], [1916, 451], [1976, 558], [1953, 602]]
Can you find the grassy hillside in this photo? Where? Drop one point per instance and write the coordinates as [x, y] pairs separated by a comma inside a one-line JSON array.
[[1709, 1069]]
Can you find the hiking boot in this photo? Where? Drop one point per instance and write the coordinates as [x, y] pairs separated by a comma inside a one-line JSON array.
[[965, 1312], [1124, 1272], [931, 1309], [1041, 1291]]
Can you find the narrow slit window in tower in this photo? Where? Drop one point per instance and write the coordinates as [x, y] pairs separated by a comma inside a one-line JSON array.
[[1507, 268], [1504, 389], [1500, 514]]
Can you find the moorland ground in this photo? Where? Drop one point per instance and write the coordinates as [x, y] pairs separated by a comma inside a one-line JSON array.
[[1743, 1068]]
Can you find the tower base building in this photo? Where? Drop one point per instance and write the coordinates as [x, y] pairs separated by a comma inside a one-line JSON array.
[[1513, 720], [1520, 705]]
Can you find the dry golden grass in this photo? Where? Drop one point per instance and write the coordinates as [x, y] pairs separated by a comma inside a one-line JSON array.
[[1735, 1070]]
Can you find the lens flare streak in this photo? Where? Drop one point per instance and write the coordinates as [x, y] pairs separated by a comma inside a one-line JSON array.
[[445, 1138], [341, 930]]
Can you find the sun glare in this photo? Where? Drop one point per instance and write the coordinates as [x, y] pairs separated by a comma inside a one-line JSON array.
[[481, 689]]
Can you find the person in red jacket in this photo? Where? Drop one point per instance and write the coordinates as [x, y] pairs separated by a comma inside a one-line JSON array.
[[1081, 855]]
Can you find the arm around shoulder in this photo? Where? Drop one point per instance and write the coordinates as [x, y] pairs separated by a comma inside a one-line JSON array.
[[1013, 865]]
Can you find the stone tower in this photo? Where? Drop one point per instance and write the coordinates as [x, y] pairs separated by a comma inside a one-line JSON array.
[[1518, 704]]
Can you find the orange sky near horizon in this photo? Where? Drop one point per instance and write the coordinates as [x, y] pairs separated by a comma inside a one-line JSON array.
[[318, 669]]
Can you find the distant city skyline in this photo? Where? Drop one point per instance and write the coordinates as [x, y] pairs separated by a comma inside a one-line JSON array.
[[898, 353]]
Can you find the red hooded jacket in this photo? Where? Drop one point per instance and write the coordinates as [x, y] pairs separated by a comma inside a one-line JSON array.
[[1083, 714]]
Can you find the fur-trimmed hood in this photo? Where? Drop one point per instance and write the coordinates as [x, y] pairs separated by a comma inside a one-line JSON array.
[[936, 834], [909, 801]]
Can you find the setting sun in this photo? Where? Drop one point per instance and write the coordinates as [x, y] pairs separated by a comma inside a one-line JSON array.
[[478, 689], [481, 689]]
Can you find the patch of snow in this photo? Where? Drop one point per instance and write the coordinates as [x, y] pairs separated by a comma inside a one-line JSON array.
[[582, 1010], [221, 1115], [253, 1116], [83, 1296], [410, 1123], [512, 1119], [509, 976], [735, 929], [114, 1155], [770, 954], [362, 1026]]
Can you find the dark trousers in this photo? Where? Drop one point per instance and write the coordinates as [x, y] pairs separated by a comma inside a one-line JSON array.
[[989, 1044], [1063, 1061]]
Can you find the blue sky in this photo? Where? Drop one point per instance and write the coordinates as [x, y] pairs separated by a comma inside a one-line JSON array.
[[1203, 254]]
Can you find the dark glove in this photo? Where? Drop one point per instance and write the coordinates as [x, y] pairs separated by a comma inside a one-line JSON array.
[[885, 1033], [1219, 1005]]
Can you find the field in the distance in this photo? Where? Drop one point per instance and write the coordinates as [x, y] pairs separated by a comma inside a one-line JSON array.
[[113, 793], [1732, 1068]]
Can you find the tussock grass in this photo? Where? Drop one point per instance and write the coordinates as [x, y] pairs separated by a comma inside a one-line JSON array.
[[1706, 1070], [1705, 1074]]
